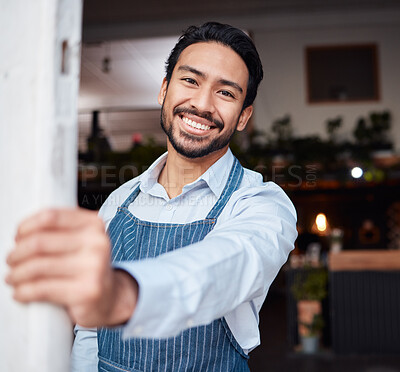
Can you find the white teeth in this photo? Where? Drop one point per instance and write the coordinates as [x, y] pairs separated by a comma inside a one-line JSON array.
[[193, 124]]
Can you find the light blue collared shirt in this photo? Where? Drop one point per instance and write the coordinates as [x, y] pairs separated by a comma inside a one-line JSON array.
[[230, 271]]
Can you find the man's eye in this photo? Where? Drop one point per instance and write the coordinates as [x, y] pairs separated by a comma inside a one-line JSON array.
[[189, 80], [227, 94]]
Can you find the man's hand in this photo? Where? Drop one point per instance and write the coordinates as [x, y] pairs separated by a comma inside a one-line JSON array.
[[63, 257]]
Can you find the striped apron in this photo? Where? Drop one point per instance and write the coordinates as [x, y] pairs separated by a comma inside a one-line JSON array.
[[205, 348]]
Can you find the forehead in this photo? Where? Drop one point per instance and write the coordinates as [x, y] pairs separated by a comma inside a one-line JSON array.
[[215, 60]]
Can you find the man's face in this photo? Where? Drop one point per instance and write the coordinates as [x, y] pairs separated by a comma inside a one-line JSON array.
[[202, 105]]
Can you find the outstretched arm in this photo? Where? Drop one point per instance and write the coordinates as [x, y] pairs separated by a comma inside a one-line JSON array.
[[233, 266]]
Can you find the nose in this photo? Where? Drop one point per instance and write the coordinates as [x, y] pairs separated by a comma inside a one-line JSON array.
[[203, 100]]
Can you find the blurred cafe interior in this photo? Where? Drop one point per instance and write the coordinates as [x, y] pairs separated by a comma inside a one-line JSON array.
[[326, 128]]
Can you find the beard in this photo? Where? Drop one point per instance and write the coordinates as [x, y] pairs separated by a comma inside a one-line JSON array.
[[191, 146]]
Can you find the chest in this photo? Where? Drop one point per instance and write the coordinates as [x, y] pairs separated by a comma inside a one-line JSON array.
[[135, 239], [186, 208]]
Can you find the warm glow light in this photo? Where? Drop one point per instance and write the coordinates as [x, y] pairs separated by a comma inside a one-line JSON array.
[[357, 172], [320, 221]]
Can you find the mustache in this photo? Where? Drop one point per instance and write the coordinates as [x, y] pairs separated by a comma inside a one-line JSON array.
[[203, 115]]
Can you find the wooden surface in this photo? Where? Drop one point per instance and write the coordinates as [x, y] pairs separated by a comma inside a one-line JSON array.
[[365, 260]]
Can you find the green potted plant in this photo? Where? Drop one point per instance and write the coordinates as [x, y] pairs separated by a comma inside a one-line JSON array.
[[310, 341], [372, 135], [309, 289]]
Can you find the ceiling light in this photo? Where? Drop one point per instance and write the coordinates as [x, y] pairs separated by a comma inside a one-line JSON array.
[[357, 172]]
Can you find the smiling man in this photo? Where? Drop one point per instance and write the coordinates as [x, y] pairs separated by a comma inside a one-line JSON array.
[[206, 91], [195, 241]]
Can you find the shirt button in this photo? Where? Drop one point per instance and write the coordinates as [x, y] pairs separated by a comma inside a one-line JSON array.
[[138, 330], [168, 207]]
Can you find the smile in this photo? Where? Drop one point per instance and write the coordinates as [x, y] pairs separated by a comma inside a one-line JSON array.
[[195, 125]]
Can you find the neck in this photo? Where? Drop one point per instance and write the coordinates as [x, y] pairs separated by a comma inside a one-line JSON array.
[[180, 171]]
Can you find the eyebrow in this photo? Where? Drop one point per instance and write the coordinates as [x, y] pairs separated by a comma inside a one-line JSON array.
[[203, 75]]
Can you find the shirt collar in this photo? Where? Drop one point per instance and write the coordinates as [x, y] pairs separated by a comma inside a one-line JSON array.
[[215, 177], [150, 177]]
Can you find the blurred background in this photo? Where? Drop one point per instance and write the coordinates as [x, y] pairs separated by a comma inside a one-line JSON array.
[[326, 127]]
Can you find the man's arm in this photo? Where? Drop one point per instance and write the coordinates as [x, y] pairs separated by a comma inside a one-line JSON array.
[[63, 257], [235, 264]]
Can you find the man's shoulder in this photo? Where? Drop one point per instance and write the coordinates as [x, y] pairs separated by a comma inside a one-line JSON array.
[[251, 178], [253, 185]]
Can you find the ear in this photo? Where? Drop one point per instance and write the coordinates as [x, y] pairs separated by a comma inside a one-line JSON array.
[[244, 118], [163, 91]]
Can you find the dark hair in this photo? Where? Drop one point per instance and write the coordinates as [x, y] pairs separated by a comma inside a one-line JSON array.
[[227, 35]]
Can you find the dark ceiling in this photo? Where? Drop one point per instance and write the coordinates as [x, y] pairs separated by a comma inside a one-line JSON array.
[[106, 12], [105, 20]]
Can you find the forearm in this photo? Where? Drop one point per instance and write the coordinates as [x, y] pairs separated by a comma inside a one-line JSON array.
[[125, 294]]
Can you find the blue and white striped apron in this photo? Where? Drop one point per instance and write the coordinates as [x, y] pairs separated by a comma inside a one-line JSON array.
[[206, 348]]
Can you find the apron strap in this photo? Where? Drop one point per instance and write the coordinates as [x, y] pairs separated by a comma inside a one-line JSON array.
[[232, 184], [131, 198]]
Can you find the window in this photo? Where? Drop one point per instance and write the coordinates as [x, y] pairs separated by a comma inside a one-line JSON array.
[[342, 73]]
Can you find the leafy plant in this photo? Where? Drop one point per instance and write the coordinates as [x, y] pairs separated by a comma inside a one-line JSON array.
[[309, 149], [332, 126], [373, 130], [310, 284], [282, 128]]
